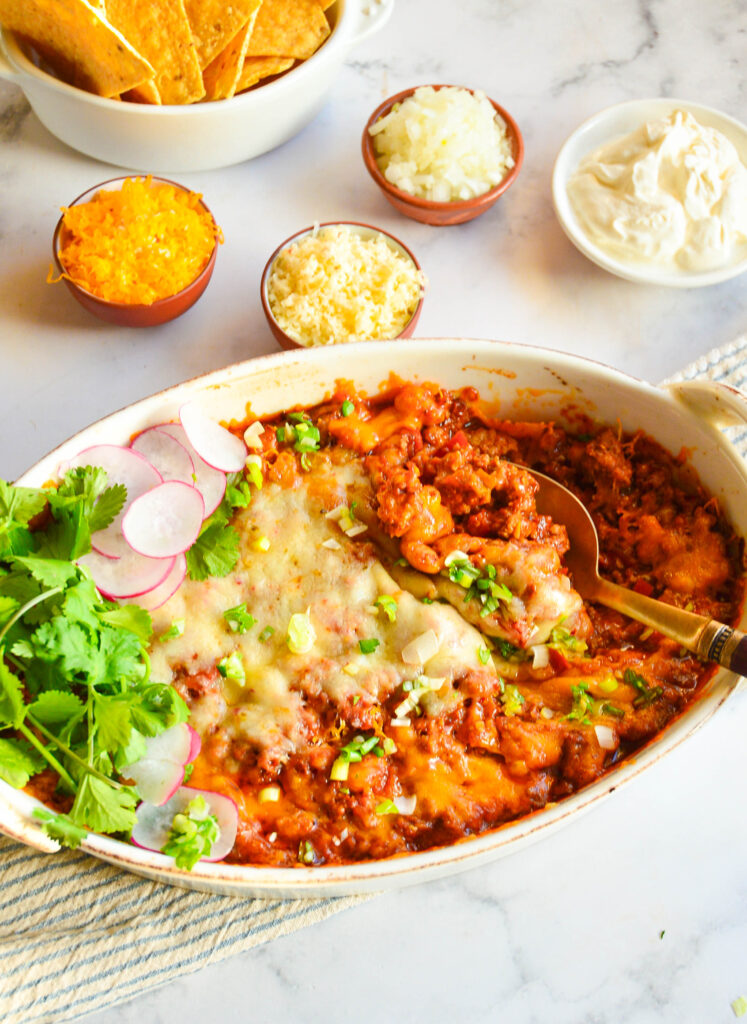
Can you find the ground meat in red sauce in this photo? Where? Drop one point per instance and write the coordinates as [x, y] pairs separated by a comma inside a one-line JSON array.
[[443, 475]]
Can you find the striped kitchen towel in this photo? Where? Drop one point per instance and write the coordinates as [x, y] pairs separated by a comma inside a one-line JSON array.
[[77, 935]]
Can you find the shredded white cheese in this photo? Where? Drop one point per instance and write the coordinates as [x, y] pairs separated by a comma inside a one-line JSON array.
[[334, 285], [443, 144]]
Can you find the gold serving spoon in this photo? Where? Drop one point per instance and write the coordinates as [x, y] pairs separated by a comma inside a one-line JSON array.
[[708, 639]]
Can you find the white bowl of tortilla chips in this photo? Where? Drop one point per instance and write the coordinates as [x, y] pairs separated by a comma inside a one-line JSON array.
[[179, 85]]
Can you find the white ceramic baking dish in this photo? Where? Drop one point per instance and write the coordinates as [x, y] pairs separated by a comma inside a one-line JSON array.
[[199, 136], [526, 382]]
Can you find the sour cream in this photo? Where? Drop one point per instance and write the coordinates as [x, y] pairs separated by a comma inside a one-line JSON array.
[[673, 192]]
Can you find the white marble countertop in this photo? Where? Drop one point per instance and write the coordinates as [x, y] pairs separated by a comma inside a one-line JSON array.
[[638, 912]]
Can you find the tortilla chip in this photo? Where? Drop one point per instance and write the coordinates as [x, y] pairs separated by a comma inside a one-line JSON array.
[[214, 24], [145, 93], [161, 32], [221, 76], [288, 28], [257, 68], [78, 43]]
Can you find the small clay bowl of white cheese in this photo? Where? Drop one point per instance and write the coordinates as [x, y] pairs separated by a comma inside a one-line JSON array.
[[339, 282], [653, 192], [468, 152]]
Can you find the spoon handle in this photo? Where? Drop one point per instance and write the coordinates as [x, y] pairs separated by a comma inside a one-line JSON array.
[[709, 639]]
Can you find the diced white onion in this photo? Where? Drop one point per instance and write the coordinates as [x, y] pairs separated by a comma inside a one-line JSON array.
[[421, 649], [405, 804], [353, 531], [605, 737], [252, 435], [269, 794], [401, 723], [337, 513], [253, 460], [547, 713], [540, 656], [332, 544], [454, 556]]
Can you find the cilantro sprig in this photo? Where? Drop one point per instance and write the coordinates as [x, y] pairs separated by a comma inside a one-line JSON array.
[[216, 550], [480, 583], [76, 696]]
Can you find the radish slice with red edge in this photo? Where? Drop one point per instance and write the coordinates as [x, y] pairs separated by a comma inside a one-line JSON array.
[[166, 454], [156, 780], [128, 576], [211, 483], [122, 466], [151, 830], [195, 744], [217, 446], [165, 521], [159, 595]]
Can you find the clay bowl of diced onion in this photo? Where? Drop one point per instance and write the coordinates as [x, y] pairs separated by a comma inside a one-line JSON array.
[[133, 313], [306, 310], [460, 171]]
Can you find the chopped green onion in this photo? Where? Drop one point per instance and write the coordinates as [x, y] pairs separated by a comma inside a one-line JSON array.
[[347, 407], [484, 655], [301, 635], [386, 807], [388, 745], [175, 629], [232, 668], [254, 469], [512, 699], [265, 635], [608, 685], [192, 835], [306, 852], [582, 704], [388, 606], [368, 646], [238, 618], [646, 694], [739, 1006], [340, 769], [305, 462]]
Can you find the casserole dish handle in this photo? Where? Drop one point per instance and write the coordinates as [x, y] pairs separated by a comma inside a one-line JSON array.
[[6, 71], [372, 15], [718, 403]]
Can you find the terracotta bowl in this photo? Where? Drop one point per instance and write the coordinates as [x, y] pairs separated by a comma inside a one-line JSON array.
[[135, 314], [427, 210], [366, 231]]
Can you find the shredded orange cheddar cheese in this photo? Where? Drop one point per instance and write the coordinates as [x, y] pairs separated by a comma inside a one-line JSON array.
[[137, 244]]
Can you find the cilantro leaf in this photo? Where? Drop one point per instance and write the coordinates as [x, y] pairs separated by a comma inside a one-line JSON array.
[[159, 706], [53, 707], [50, 572], [107, 508], [12, 707], [102, 807], [214, 553], [60, 828], [113, 721], [130, 617], [18, 505], [18, 762]]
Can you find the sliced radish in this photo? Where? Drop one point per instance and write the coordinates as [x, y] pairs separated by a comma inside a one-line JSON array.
[[217, 446], [170, 458], [128, 576], [123, 466], [210, 482], [156, 780], [195, 745], [153, 823], [164, 521], [159, 595], [173, 744]]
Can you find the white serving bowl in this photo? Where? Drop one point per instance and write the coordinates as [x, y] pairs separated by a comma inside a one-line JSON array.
[[533, 383], [609, 124], [198, 136]]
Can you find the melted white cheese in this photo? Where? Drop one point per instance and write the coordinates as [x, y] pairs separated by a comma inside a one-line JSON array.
[[338, 587]]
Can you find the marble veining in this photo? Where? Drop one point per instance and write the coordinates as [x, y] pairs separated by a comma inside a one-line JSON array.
[[637, 912]]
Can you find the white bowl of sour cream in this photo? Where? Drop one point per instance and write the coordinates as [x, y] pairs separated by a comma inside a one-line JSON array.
[[655, 191]]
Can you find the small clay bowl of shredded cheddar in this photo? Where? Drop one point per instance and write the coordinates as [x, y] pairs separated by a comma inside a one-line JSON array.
[[136, 251], [339, 282]]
